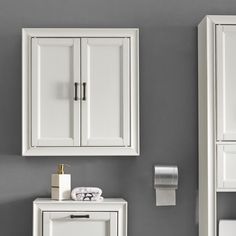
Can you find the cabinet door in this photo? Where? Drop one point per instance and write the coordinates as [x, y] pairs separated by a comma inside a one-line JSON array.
[[226, 82], [55, 70], [226, 165], [79, 223], [106, 92]]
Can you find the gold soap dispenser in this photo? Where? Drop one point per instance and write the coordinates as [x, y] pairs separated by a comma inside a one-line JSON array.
[[61, 184]]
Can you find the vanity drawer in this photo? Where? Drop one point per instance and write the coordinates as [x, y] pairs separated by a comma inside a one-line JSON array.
[[226, 167], [79, 223]]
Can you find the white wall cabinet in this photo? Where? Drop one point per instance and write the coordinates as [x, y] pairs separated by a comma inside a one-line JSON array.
[[71, 218], [217, 116], [80, 92]]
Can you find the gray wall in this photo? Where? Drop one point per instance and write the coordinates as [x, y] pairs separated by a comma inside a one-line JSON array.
[[168, 79]]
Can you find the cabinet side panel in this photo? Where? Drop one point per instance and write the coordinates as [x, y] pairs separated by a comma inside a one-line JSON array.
[[26, 122], [206, 129]]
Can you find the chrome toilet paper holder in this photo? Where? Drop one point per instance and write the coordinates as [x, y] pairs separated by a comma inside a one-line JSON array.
[[165, 184]]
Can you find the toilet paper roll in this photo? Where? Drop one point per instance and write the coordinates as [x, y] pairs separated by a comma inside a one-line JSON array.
[[165, 197]]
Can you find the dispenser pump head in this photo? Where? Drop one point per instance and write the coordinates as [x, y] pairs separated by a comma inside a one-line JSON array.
[[61, 169]]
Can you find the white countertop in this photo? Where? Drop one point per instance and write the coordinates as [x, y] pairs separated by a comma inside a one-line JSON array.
[[104, 201]]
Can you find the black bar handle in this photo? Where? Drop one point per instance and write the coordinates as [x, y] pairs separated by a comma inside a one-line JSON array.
[[79, 216], [84, 91], [76, 92]]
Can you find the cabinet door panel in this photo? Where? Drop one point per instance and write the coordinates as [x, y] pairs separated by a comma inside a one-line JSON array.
[[106, 110], [226, 165], [226, 82], [94, 223], [55, 69]]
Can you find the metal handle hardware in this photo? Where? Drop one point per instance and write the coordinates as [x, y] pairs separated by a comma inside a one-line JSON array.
[[79, 216], [76, 91], [84, 91]]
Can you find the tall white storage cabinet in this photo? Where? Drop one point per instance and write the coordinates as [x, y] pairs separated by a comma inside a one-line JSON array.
[[217, 116], [80, 92], [72, 218]]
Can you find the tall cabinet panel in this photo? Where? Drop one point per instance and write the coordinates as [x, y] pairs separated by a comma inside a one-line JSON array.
[[217, 121], [55, 70], [106, 98]]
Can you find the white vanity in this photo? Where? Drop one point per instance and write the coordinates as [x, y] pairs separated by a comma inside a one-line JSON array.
[[217, 117], [80, 92], [72, 218]]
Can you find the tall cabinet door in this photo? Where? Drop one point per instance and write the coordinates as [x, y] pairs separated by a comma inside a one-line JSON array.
[[226, 82], [105, 92], [80, 224], [55, 73]]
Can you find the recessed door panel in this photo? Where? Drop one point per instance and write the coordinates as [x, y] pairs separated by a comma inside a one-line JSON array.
[[55, 70], [105, 92], [80, 223], [226, 165], [226, 82]]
